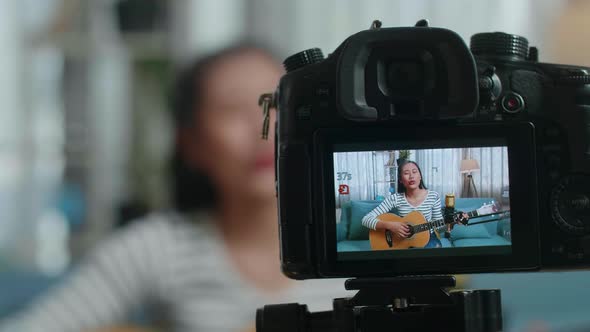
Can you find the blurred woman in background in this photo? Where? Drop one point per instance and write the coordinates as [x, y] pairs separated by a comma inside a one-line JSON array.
[[210, 263]]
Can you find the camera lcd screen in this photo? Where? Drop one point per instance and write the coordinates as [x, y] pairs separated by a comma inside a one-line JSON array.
[[410, 201]]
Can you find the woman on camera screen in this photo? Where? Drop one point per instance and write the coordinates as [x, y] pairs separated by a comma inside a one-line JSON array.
[[412, 195]]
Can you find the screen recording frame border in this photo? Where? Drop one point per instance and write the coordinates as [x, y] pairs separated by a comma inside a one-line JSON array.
[[519, 140]]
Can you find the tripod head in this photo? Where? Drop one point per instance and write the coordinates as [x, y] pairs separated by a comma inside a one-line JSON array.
[[412, 303]]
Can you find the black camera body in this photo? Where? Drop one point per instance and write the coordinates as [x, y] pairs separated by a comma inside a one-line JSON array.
[[423, 88]]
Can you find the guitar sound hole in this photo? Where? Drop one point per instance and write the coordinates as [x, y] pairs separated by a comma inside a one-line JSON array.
[[389, 238]]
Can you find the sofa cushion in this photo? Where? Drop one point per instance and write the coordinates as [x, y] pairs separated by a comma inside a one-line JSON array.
[[341, 230], [495, 240], [19, 288], [358, 245], [343, 226], [358, 209], [470, 203], [472, 231], [473, 203], [446, 243]]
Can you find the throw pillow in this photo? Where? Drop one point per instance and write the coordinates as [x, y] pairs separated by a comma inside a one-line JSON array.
[[473, 231], [358, 209]]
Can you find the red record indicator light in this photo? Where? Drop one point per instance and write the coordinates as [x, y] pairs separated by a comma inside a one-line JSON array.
[[512, 102]]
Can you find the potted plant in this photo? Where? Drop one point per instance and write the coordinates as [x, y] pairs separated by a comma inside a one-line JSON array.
[[403, 156]]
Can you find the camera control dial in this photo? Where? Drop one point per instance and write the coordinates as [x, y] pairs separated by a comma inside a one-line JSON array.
[[490, 86], [570, 204], [302, 59], [581, 79], [500, 44]]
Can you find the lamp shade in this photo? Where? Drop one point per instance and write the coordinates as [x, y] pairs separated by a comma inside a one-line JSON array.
[[469, 165]]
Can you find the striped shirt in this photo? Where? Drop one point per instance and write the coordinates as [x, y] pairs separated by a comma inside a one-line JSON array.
[[430, 208], [177, 268]]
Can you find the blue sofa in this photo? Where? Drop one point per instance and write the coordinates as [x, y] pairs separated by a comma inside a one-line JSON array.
[[19, 288], [353, 236]]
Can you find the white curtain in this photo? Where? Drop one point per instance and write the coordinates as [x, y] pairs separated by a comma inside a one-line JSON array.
[[492, 179], [359, 165], [440, 170], [366, 173]]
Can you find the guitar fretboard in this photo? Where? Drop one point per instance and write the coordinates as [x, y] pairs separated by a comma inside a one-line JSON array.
[[439, 223]]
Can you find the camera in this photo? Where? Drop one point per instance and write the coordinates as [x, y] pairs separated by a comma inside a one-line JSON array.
[[344, 121]]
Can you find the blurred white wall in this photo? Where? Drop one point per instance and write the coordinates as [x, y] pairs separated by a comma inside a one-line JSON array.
[[12, 117], [291, 26], [34, 62], [108, 105], [31, 136], [199, 26]]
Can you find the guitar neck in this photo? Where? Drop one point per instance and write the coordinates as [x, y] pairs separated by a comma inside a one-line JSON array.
[[438, 223]]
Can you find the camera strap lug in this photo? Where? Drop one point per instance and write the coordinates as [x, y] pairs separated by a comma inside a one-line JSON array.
[[266, 101], [375, 25]]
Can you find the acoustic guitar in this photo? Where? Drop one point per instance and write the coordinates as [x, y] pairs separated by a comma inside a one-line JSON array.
[[419, 228]]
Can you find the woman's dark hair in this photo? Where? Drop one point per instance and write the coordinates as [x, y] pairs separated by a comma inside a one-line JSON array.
[[192, 189], [400, 187]]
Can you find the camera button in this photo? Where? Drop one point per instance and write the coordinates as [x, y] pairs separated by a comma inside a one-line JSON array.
[[303, 112], [486, 83], [322, 90], [512, 102]]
